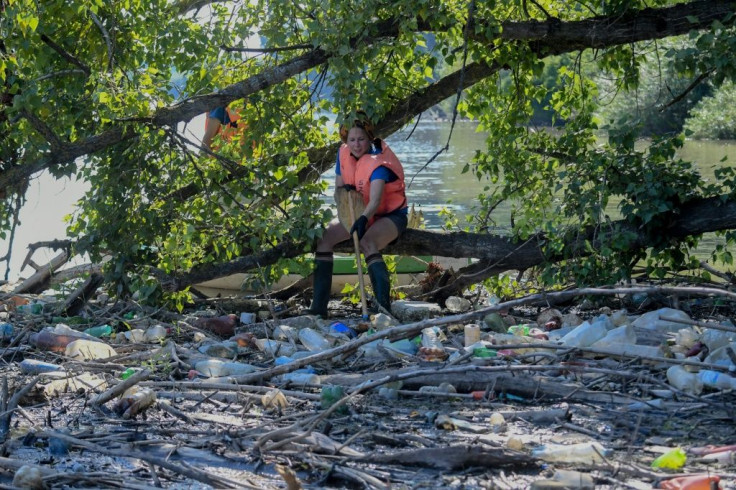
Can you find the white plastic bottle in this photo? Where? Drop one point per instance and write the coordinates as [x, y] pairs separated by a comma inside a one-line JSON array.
[[714, 379], [684, 380]]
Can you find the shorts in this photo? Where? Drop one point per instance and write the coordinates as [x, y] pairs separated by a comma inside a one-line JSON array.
[[399, 218]]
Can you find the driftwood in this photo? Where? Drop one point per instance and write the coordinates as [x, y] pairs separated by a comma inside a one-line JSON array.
[[225, 433], [455, 457], [75, 302], [41, 280]]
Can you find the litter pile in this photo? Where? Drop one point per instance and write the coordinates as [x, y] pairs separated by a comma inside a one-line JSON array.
[[461, 396]]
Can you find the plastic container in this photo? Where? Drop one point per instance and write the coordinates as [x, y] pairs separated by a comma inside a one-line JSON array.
[[339, 328], [313, 340], [692, 482], [155, 333], [673, 460], [585, 452], [620, 335], [585, 334], [99, 331], [715, 339], [32, 366], [717, 380], [721, 356], [301, 378], [472, 334], [432, 338], [275, 347], [85, 350], [6, 331], [217, 368], [682, 379], [381, 321], [522, 330]]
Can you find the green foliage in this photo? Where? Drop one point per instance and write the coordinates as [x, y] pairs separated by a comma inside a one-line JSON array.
[[79, 71], [714, 117]]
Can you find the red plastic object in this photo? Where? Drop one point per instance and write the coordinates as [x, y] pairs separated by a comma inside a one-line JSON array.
[[694, 482]]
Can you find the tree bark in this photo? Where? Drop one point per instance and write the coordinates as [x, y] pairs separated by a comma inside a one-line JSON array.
[[495, 254]]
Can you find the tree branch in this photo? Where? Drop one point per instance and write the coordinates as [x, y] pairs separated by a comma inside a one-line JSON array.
[[66, 55]]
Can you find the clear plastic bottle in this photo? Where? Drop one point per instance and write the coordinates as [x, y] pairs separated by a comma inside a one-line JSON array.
[[313, 340], [714, 379], [217, 368], [302, 378], [684, 380], [585, 452], [585, 334]]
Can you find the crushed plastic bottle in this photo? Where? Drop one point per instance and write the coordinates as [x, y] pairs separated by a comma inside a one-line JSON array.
[[682, 379], [313, 340], [673, 460], [275, 347], [624, 334], [723, 356], [340, 329], [585, 452]]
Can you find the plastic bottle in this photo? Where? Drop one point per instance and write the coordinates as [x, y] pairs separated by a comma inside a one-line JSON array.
[[155, 333], [585, 452], [722, 356], [693, 482], [6, 331], [432, 338], [275, 347], [313, 340], [330, 395], [32, 366], [134, 401], [682, 379], [218, 368], [585, 334], [99, 331], [55, 339], [339, 328], [381, 321], [472, 334], [714, 379], [674, 459], [301, 378], [285, 332], [620, 335]]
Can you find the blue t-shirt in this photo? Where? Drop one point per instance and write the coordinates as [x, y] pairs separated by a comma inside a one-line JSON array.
[[221, 115]]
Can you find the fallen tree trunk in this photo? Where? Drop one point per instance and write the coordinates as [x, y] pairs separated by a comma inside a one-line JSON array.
[[495, 254]]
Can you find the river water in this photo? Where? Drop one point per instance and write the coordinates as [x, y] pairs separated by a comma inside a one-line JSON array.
[[441, 183]]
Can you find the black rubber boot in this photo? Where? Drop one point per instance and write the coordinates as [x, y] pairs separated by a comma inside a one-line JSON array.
[[378, 273], [322, 286]]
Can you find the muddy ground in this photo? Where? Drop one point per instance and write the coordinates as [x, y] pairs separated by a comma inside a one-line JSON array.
[[392, 428]]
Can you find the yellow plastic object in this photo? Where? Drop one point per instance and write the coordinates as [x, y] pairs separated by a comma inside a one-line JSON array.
[[674, 459]]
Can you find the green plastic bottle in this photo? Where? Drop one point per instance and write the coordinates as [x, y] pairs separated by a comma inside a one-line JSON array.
[[99, 331], [330, 395]]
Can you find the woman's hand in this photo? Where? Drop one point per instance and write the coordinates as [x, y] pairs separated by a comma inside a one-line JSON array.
[[359, 226]]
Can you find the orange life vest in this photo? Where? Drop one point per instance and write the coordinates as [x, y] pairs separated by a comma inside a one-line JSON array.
[[358, 173], [226, 131]]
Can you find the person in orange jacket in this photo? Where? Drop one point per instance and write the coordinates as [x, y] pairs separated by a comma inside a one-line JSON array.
[[221, 122], [366, 164]]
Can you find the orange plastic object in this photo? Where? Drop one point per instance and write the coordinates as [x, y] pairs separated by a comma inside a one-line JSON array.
[[694, 482]]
